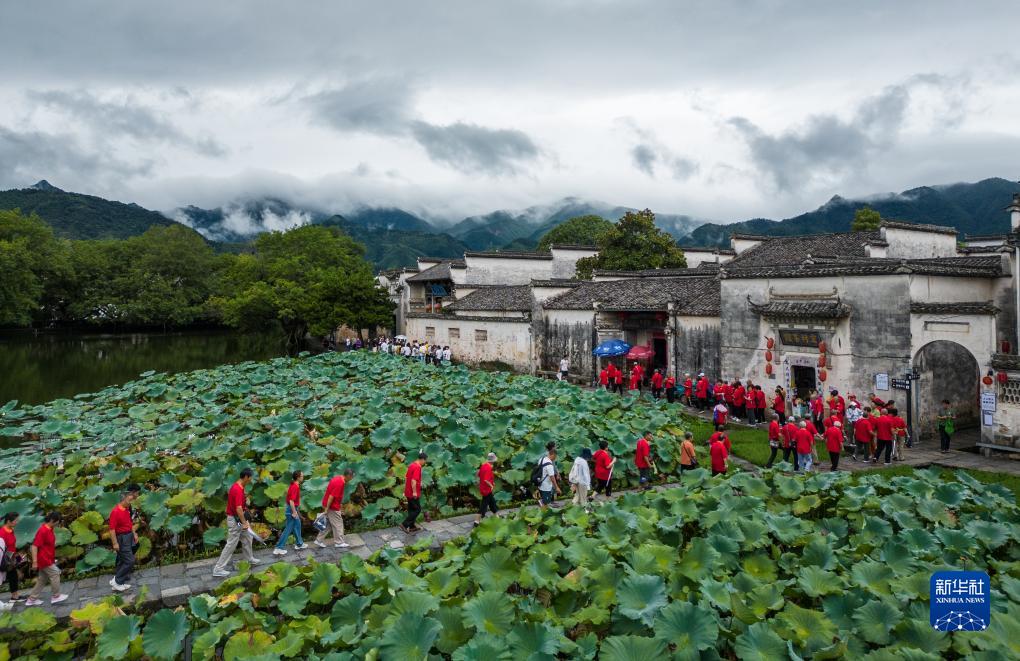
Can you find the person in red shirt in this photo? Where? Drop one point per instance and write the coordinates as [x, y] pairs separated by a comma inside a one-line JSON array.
[[643, 461], [701, 391], [884, 434], [603, 470], [779, 406], [10, 545], [412, 492], [604, 378], [790, 441], [899, 434], [688, 390], [722, 393], [238, 526], [486, 483], [805, 441], [817, 409], [44, 554], [864, 434], [123, 537], [834, 443], [292, 515], [720, 457], [670, 385], [775, 439], [657, 384], [837, 405], [332, 504], [618, 380], [739, 395]]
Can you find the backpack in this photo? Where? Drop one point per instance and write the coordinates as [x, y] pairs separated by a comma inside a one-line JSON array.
[[537, 471], [8, 560]]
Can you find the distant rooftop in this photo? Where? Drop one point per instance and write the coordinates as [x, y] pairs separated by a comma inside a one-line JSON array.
[[508, 254]]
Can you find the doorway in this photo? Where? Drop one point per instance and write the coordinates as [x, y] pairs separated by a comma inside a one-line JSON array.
[[948, 371], [661, 359], [804, 380]]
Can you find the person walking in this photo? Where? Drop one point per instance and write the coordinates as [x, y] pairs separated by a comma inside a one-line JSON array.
[[739, 396], [564, 368], [817, 407], [550, 482], [292, 515], [643, 461], [719, 415], [44, 555], [946, 424], [618, 380], [486, 483], [719, 455], [759, 405], [9, 559], [834, 443], [657, 384], [124, 537], [805, 441], [580, 478], [604, 378], [670, 385], [238, 526], [884, 434], [775, 440], [688, 455], [899, 435], [779, 406], [688, 390], [701, 392], [864, 434], [412, 493], [790, 442], [332, 501], [604, 470]]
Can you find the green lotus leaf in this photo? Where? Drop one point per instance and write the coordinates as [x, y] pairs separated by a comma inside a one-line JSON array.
[[875, 620], [345, 617], [494, 569], [483, 647], [214, 536], [453, 633], [641, 597], [247, 644], [806, 628], [817, 582], [100, 556], [324, 578], [291, 601], [872, 575], [410, 637], [34, 620], [117, 635], [818, 553], [686, 625], [698, 561], [534, 641], [760, 643], [631, 648], [991, 534], [371, 511], [164, 634], [408, 601], [490, 612]]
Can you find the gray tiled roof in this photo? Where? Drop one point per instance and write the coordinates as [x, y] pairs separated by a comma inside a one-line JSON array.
[[440, 271], [1005, 361], [513, 298], [572, 246], [557, 282], [509, 254], [985, 307], [662, 273], [693, 296], [834, 309], [980, 267], [919, 227], [788, 250]]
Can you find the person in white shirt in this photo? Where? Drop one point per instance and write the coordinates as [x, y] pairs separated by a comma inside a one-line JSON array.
[[564, 368], [545, 495], [446, 354], [580, 478]]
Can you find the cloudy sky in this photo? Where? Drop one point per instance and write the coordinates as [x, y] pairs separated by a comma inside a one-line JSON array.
[[722, 110]]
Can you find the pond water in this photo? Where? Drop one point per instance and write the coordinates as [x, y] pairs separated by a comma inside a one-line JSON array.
[[39, 367]]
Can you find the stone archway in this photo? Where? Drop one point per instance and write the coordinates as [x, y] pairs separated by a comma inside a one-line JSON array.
[[948, 371]]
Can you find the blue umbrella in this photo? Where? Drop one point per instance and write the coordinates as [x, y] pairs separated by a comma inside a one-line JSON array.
[[611, 348]]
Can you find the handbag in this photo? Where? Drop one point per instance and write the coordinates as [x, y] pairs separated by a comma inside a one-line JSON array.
[[320, 522], [949, 427], [9, 560]]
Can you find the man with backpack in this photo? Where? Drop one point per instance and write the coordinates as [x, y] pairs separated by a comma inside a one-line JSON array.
[[124, 538], [544, 477]]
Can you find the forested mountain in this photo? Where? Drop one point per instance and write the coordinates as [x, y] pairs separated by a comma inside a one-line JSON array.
[[78, 216], [393, 248], [971, 208]]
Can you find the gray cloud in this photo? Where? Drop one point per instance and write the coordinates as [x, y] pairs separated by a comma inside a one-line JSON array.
[[644, 158], [381, 105], [123, 118], [469, 147], [649, 154]]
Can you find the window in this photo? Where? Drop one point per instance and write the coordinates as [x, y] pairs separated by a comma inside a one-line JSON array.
[[454, 333], [430, 332], [1009, 392], [481, 336]]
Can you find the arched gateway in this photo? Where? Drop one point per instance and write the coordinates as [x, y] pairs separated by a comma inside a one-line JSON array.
[[948, 371]]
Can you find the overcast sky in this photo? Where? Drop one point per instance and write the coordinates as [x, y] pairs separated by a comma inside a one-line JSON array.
[[721, 110]]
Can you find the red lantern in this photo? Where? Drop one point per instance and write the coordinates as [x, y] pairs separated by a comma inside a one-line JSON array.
[[768, 368], [821, 360], [770, 342], [987, 380], [1003, 377], [822, 376], [768, 356], [821, 346]]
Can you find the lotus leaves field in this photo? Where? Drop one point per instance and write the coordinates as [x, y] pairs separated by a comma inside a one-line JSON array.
[[185, 437], [755, 568]]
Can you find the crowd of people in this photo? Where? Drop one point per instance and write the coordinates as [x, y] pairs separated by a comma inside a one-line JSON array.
[[433, 354]]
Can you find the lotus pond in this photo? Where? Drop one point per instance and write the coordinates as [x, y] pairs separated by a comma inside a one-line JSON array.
[[186, 436], [749, 567]]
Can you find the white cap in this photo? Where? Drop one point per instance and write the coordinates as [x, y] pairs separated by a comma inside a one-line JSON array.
[[837, 423]]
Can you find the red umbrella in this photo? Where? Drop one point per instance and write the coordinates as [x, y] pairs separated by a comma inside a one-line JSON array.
[[640, 353]]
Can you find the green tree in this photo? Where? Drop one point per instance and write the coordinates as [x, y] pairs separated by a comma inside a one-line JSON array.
[[865, 219], [632, 244], [588, 230], [310, 279], [32, 260]]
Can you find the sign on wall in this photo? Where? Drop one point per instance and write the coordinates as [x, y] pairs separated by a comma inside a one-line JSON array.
[[799, 338], [882, 381], [988, 401]]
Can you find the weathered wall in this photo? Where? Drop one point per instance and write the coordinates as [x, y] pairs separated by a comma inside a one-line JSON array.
[[912, 244], [1004, 297], [567, 332], [697, 345], [948, 371], [565, 261], [507, 341], [506, 271]]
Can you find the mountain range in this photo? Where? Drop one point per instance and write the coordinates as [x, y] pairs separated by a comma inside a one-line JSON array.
[[396, 237]]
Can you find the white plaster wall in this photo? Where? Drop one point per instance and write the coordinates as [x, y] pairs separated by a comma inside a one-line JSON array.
[[542, 294], [425, 264], [942, 289], [917, 244], [458, 275], [508, 342], [506, 271], [740, 245], [984, 243], [975, 332], [564, 262], [697, 257], [568, 316]]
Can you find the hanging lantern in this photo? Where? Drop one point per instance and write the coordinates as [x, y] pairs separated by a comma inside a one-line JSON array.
[[987, 380], [1003, 377], [770, 342], [821, 346], [768, 368], [768, 356], [822, 376], [821, 360]]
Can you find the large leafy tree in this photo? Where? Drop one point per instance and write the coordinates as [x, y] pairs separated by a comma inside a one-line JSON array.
[[865, 219], [587, 230], [310, 279], [632, 244], [31, 259]]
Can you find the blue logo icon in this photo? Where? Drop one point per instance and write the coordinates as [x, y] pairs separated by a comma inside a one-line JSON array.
[[960, 601]]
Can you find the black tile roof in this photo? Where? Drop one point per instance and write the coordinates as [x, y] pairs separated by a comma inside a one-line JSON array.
[[715, 250], [557, 282], [572, 246], [691, 296], [438, 272], [1005, 361], [788, 250], [985, 237], [513, 298], [700, 271], [980, 267], [985, 307], [920, 227], [509, 254], [833, 309], [524, 319]]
